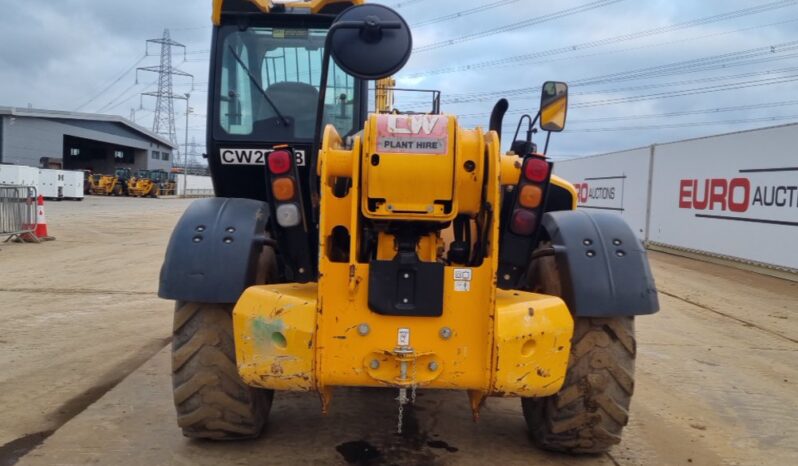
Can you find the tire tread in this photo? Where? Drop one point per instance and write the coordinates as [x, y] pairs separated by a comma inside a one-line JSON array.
[[211, 400]]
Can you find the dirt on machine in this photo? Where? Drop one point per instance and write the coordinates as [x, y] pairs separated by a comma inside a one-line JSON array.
[[390, 249]]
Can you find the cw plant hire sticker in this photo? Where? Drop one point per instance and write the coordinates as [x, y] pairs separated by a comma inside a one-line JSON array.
[[412, 134]]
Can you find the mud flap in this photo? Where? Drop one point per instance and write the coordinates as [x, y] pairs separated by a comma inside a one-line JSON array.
[[603, 266], [212, 255]]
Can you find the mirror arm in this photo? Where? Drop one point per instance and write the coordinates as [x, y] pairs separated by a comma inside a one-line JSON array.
[[530, 131], [546, 148], [371, 23]]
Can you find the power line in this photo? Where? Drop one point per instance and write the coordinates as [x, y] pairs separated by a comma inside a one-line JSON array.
[[610, 40], [677, 93], [518, 25], [689, 92], [534, 92], [686, 125], [706, 111], [112, 84], [713, 62], [463, 13], [110, 102], [404, 3]]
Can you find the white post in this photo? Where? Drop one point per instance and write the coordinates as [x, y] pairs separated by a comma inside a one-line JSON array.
[[185, 147]]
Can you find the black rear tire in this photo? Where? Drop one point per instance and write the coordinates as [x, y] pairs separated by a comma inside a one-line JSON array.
[[212, 401], [590, 411]]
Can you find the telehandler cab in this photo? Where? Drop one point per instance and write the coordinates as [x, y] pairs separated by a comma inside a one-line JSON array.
[[397, 250]]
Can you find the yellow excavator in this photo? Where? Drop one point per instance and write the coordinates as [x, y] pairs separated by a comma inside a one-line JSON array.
[[389, 249]]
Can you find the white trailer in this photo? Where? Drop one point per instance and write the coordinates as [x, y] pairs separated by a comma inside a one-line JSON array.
[[51, 183], [73, 185], [19, 175]]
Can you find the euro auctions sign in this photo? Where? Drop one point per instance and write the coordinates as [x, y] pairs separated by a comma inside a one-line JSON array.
[[733, 195], [758, 195]]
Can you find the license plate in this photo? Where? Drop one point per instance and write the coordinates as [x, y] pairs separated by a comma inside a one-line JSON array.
[[254, 157]]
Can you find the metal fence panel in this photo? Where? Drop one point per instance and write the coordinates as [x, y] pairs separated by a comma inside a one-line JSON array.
[[18, 212]]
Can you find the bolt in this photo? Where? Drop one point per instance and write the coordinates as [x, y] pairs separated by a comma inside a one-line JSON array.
[[405, 300], [197, 239], [588, 242], [301, 270], [445, 333], [617, 242], [430, 209], [228, 240], [231, 230], [433, 366], [201, 228], [374, 364], [390, 207], [406, 276], [591, 253], [620, 253], [363, 329]]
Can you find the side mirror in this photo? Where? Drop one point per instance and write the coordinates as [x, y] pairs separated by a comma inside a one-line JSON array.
[[553, 106], [370, 41]]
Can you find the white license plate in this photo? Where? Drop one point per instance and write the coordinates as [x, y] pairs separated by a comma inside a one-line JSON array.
[[254, 156]]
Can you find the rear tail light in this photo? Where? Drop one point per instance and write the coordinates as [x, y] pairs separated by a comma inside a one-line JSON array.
[[280, 162], [288, 215], [530, 196], [283, 189], [523, 222], [536, 170]]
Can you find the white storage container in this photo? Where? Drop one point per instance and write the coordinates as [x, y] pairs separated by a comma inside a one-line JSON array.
[[51, 183], [19, 175], [73, 185]]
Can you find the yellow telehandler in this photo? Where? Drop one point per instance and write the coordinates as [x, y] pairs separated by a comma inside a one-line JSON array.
[[395, 250], [145, 183], [111, 185]]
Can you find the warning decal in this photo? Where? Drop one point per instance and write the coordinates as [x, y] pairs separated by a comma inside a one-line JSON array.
[[412, 134]]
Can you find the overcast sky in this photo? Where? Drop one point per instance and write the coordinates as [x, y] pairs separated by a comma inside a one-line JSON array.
[[73, 55]]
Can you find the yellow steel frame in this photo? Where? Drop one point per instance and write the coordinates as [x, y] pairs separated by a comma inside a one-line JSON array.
[[313, 6], [489, 342]]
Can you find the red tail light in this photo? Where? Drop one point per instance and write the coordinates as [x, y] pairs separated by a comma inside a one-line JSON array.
[[536, 170], [524, 222], [280, 162]]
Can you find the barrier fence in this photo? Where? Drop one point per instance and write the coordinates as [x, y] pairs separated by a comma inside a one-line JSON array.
[[18, 211], [732, 196]]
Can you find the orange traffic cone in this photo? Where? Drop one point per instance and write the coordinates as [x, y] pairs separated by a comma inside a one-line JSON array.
[[41, 222]]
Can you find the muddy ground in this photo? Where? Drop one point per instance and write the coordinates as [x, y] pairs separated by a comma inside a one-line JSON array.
[[84, 372]]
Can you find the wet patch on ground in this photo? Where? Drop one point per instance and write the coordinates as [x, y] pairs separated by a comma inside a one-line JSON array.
[[414, 446]]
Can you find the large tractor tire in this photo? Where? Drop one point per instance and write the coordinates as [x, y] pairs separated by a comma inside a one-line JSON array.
[[592, 408], [211, 399]]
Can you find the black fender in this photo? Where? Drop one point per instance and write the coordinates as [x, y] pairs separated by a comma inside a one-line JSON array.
[[603, 266], [213, 253]]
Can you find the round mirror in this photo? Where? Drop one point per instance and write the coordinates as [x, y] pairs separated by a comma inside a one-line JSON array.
[[371, 41]]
